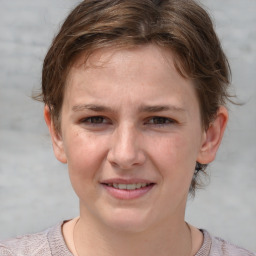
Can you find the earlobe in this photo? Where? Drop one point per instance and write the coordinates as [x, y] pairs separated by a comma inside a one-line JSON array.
[[57, 141], [213, 137]]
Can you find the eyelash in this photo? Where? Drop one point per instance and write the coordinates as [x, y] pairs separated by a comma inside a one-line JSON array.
[[91, 118], [156, 120], [161, 121]]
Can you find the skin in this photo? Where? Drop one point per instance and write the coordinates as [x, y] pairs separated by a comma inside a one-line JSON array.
[[128, 114]]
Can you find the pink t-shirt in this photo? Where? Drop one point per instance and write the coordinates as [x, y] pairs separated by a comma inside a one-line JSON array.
[[51, 243]]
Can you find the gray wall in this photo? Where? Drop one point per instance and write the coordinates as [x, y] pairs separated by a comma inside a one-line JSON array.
[[34, 188]]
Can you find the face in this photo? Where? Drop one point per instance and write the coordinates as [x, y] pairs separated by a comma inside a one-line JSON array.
[[131, 134]]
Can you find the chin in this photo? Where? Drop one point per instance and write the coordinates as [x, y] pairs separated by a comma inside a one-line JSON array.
[[131, 221]]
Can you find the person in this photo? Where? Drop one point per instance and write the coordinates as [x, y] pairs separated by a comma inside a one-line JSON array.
[[135, 97]]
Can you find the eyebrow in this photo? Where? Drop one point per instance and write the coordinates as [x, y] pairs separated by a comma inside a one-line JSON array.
[[96, 108], [143, 108], [160, 108]]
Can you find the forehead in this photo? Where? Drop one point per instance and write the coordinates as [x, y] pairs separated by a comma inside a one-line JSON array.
[[149, 69], [133, 58], [105, 57]]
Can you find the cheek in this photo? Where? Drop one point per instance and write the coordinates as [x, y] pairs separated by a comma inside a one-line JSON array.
[[85, 159], [175, 157], [84, 155], [177, 150]]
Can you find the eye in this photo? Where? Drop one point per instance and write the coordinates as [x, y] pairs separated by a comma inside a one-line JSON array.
[[94, 120], [159, 120]]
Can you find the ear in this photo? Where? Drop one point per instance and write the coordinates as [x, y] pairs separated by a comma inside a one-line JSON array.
[[212, 137], [57, 141]]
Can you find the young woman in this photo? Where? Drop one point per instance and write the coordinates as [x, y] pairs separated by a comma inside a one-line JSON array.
[[135, 95]]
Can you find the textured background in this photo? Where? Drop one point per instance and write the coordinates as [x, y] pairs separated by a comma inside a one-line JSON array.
[[34, 188]]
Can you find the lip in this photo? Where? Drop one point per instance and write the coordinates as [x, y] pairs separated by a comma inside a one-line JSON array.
[[125, 194], [125, 181]]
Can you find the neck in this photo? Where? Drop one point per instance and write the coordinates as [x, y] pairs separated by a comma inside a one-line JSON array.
[[172, 237]]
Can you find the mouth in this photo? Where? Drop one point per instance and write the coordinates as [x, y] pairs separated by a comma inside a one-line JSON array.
[[127, 190], [132, 186]]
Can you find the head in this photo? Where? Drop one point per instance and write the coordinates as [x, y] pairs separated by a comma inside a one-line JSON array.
[[182, 27]]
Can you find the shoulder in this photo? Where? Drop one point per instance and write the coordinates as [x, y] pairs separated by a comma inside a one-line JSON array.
[[32, 244], [220, 247], [38, 244], [226, 248]]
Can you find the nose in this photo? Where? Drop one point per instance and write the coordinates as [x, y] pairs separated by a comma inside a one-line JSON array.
[[126, 149]]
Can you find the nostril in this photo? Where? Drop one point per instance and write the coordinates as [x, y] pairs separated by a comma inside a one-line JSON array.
[[113, 163], [125, 151], [126, 163]]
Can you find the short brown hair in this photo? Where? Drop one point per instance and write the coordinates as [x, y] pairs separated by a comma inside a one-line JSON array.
[[182, 26]]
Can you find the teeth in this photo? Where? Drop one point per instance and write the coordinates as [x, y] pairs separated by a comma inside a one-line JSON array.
[[114, 185], [122, 186], [129, 186]]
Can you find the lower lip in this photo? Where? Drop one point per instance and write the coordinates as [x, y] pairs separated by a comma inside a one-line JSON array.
[[125, 194]]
